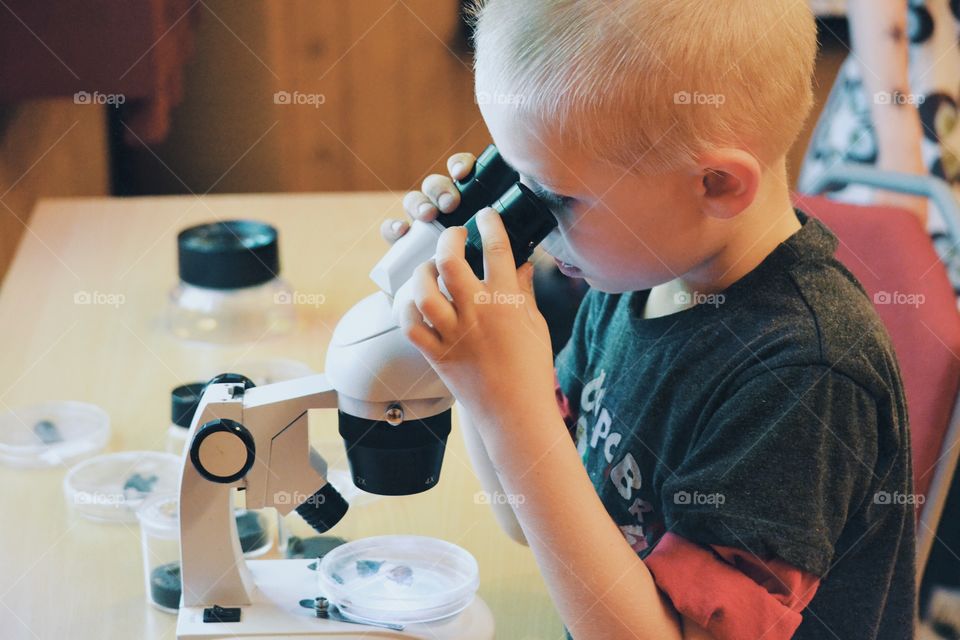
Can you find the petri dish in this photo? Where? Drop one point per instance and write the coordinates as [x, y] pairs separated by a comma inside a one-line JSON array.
[[51, 434], [111, 487], [399, 579]]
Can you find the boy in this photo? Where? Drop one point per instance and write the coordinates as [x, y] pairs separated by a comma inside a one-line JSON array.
[[709, 455]]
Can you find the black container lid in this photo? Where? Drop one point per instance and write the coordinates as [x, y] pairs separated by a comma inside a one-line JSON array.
[[184, 400], [228, 255]]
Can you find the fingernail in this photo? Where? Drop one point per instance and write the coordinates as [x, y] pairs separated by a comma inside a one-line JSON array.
[[426, 207], [456, 169], [445, 201], [395, 227]]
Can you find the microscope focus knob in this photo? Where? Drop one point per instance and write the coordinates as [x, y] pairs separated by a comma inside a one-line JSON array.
[[222, 451]]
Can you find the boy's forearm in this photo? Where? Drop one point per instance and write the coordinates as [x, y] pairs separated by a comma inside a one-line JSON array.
[[600, 586], [482, 466]]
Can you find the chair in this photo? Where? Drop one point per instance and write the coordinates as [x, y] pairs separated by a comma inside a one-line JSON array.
[[893, 257]]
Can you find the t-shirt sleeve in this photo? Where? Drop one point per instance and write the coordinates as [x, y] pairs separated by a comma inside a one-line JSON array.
[[778, 467], [729, 592]]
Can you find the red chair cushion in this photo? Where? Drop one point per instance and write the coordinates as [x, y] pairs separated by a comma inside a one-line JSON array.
[[889, 252]]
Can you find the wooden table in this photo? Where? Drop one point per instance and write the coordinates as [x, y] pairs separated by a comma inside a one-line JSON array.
[[62, 576]]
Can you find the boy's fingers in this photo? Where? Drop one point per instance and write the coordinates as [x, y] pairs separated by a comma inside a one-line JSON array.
[[417, 331], [460, 165], [392, 230], [457, 275], [419, 207], [498, 266], [442, 192], [430, 301]]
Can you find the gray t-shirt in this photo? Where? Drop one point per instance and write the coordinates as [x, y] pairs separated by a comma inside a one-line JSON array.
[[770, 418]]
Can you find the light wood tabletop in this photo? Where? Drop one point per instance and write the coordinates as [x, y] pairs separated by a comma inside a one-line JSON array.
[[62, 576]]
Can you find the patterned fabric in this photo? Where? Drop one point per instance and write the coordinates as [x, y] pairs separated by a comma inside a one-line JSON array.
[[846, 133]]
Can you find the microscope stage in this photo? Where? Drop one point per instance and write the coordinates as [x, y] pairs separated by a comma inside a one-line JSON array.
[[276, 612]]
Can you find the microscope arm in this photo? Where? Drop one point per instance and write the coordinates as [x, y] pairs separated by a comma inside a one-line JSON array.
[[254, 440], [292, 469]]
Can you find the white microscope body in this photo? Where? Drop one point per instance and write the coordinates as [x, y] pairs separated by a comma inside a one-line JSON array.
[[394, 414]]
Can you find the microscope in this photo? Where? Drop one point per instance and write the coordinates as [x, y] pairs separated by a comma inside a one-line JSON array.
[[394, 415]]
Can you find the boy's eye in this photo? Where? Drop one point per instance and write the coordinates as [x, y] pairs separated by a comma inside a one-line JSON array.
[[553, 200], [561, 204], [558, 203]]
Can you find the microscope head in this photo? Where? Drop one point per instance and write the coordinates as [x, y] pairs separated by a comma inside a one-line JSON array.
[[394, 409]]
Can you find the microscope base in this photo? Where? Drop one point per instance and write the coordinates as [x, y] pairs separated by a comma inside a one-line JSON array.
[[276, 612]]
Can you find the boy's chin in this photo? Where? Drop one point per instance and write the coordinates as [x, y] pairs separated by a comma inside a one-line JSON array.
[[608, 286], [604, 286]]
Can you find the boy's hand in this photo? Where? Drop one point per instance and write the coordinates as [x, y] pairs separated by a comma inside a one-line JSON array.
[[437, 194], [489, 344]]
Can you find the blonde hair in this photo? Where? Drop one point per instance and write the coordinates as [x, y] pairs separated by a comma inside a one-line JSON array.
[[649, 85]]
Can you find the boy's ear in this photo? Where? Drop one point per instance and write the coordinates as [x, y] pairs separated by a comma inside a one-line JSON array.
[[729, 180]]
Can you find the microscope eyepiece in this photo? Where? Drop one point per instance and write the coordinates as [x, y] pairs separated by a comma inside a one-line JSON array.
[[527, 219], [490, 177]]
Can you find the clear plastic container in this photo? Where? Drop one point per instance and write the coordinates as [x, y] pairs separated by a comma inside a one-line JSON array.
[[183, 406], [160, 539], [51, 434], [253, 529], [230, 289], [177, 439], [399, 579], [111, 487], [238, 315]]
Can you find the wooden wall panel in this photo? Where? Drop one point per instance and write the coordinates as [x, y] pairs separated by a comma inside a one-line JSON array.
[[48, 148], [308, 40], [398, 99]]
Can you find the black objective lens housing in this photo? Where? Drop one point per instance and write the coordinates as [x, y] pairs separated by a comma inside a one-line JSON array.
[[395, 460]]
